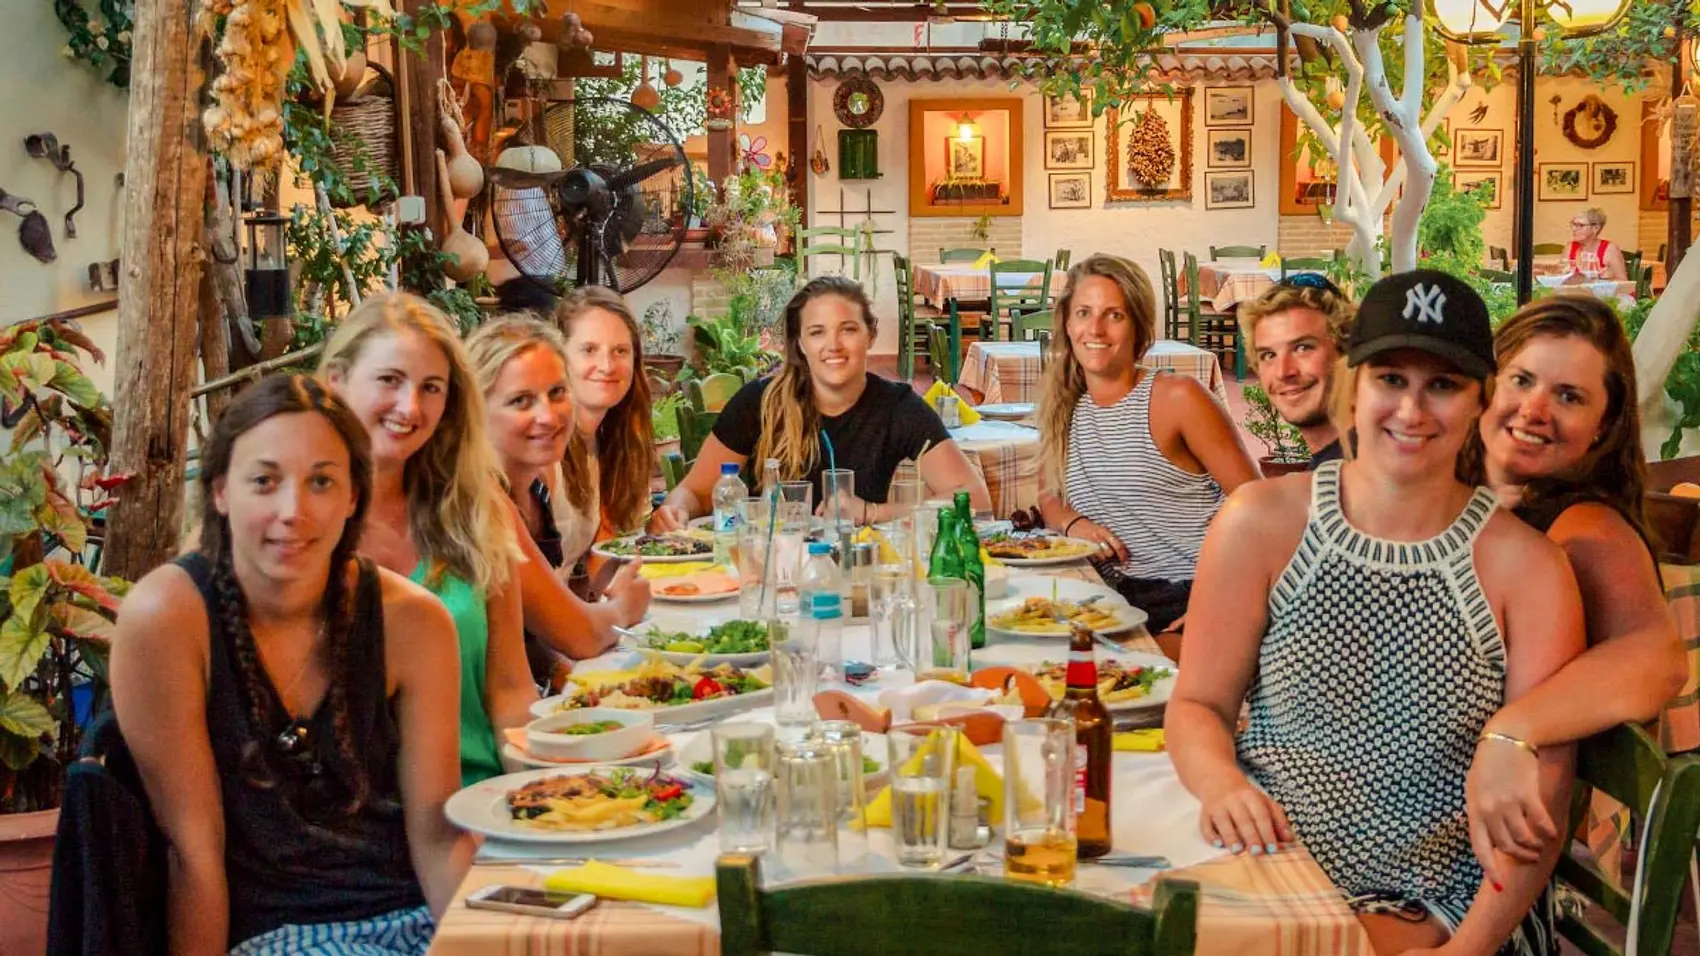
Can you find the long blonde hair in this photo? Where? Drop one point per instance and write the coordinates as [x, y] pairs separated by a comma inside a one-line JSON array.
[[790, 420], [456, 512], [501, 340], [1064, 381], [625, 441]]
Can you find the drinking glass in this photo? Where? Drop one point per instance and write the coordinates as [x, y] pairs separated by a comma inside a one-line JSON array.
[[1589, 265], [922, 758], [743, 783], [796, 672], [796, 502], [843, 740], [944, 631], [837, 488], [904, 495], [891, 615], [926, 529], [755, 601], [807, 837], [1038, 778]]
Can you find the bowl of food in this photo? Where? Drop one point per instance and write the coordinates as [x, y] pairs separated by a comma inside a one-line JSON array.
[[590, 733]]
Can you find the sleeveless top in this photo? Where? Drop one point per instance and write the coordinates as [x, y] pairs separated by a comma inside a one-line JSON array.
[[1117, 477], [1381, 664], [479, 757], [289, 856], [1575, 249], [577, 529], [538, 654]]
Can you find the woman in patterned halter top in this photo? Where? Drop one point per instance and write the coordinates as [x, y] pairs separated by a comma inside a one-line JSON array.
[[1386, 612]]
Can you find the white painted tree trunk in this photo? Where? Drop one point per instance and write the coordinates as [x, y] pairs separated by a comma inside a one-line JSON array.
[[1365, 186], [1662, 339]]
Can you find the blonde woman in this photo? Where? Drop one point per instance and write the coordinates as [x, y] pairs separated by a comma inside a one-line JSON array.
[[825, 386], [522, 371], [1176, 454], [437, 513], [1585, 239]]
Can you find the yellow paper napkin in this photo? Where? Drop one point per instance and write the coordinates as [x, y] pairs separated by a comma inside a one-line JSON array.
[[618, 883], [968, 414], [987, 782], [1271, 260], [651, 572], [986, 259], [1148, 741]]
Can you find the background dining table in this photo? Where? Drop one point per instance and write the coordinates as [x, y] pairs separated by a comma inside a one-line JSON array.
[[1277, 905], [1228, 282], [942, 282], [1006, 454], [1009, 371]]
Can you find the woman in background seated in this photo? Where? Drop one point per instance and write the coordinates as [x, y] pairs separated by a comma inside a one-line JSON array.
[[283, 698], [824, 385], [1585, 229], [1133, 460]]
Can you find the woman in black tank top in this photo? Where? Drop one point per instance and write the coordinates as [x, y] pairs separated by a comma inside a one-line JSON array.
[[252, 683]]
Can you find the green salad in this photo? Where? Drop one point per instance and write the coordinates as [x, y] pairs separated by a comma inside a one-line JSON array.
[[732, 637], [593, 727]]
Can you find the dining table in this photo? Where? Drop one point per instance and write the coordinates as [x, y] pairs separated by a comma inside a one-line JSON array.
[[1228, 282], [941, 283], [1009, 371], [1280, 904], [1006, 454]]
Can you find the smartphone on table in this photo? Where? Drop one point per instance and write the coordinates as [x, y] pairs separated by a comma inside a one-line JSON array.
[[529, 901]]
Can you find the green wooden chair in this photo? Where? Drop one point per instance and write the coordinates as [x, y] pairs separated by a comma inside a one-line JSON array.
[[911, 336], [1630, 767], [1013, 290], [1210, 330], [840, 241], [1500, 258], [1025, 326], [1238, 252], [1062, 259], [1549, 248], [1043, 337], [1172, 312], [1643, 282], [1305, 264], [1632, 264], [712, 392], [940, 355], [1496, 275], [694, 429], [961, 255], [674, 468], [943, 916]]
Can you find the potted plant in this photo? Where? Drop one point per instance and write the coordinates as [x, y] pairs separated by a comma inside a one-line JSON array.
[[664, 419], [724, 345], [56, 616], [1286, 447], [661, 340]]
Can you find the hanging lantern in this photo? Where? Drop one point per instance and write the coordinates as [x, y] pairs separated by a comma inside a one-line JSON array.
[[645, 97], [672, 77], [268, 265]]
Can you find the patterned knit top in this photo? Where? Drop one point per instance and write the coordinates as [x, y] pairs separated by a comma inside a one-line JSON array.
[[1118, 478], [1381, 665]]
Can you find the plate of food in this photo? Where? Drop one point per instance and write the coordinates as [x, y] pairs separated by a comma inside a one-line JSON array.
[[1007, 411], [1123, 685], [1033, 550], [678, 693], [1045, 617], [580, 805], [698, 757], [656, 752], [736, 642], [692, 545], [701, 587]]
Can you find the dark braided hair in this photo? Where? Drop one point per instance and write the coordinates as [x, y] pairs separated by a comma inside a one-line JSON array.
[[273, 396]]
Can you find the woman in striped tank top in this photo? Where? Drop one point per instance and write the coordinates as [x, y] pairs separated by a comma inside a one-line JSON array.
[[1134, 460]]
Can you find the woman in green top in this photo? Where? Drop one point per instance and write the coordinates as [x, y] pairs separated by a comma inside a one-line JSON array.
[[438, 513]]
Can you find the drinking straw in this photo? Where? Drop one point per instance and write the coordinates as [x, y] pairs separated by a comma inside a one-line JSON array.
[[831, 464], [767, 562]]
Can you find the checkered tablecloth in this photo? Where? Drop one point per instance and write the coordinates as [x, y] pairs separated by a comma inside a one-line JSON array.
[[942, 282], [1280, 905], [1009, 371], [1228, 283], [1007, 456]]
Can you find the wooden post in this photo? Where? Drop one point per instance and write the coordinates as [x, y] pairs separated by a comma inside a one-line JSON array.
[[419, 75], [1680, 209], [797, 129], [159, 299], [723, 74]]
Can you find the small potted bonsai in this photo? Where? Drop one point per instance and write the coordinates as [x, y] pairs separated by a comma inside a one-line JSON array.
[[1286, 447], [661, 340]]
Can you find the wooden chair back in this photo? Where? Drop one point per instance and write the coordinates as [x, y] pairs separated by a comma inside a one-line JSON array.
[[838, 241], [712, 392], [1549, 248], [1025, 326], [1632, 264], [1171, 293], [940, 355], [1305, 264], [1210, 330], [961, 255], [674, 468], [694, 429], [904, 271], [1238, 252], [1013, 290]]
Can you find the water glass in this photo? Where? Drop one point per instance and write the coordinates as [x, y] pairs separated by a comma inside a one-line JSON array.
[[904, 495], [807, 839], [944, 612], [743, 783], [1038, 779], [843, 740], [922, 761], [926, 529], [891, 615], [837, 488], [1589, 265], [759, 579], [796, 672]]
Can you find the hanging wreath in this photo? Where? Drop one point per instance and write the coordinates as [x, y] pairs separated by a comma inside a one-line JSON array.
[[1590, 123], [858, 102], [101, 41]]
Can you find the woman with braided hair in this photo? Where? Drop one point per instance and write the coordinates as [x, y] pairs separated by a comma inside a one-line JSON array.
[[283, 701]]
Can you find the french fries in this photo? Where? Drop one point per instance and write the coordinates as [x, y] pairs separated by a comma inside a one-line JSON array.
[[1038, 615]]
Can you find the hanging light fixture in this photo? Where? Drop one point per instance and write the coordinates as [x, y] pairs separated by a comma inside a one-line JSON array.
[[966, 128], [645, 97], [268, 264]]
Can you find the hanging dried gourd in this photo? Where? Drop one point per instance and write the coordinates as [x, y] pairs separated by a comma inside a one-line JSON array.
[[1150, 157]]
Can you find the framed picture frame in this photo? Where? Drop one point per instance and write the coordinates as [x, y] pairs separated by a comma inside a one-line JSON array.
[[1070, 190], [1466, 180], [1613, 178], [1227, 149], [1229, 190], [1478, 147], [1120, 184], [1068, 149], [1561, 182], [1228, 106], [965, 158], [1069, 112]]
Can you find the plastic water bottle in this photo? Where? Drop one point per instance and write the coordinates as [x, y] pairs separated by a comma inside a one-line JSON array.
[[728, 491], [820, 607]]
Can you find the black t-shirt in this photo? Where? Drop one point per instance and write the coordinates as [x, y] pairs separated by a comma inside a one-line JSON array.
[[1328, 452], [886, 425]]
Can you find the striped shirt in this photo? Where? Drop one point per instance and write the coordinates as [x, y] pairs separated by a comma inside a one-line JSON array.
[[1118, 478]]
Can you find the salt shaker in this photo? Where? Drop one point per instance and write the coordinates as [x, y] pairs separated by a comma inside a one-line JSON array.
[[859, 577]]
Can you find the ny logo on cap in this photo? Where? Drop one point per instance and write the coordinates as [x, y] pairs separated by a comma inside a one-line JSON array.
[[1427, 301]]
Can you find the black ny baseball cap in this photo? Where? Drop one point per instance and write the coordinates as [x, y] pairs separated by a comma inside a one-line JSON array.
[[1427, 310]]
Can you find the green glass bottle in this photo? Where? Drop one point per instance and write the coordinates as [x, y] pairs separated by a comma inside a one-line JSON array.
[[945, 561], [973, 569]]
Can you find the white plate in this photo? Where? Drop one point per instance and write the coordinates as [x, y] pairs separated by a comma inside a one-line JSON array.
[[1007, 411], [679, 713], [1130, 618], [701, 748], [483, 808], [660, 758], [638, 640], [655, 594], [1160, 690], [1048, 562], [1025, 584], [651, 558]]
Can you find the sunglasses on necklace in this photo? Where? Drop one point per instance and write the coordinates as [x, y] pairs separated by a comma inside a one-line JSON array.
[[1310, 280]]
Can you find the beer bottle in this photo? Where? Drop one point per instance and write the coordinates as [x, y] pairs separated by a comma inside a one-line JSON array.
[[973, 569], [1092, 748], [945, 560]]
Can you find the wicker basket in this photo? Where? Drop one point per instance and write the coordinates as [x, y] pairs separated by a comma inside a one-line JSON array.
[[366, 123]]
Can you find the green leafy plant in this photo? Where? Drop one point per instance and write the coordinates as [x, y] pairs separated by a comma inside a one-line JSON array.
[[723, 345], [102, 41], [1282, 440], [56, 615], [664, 416]]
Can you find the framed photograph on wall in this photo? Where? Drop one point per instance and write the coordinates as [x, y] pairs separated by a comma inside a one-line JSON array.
[[1228, 190], [1477, 147], [1227, 106], [1611, 178], [1071, 190], [1227, 149], [1069, 112], [965, 158], [1493, 181], [1068, 149], [1561, 182], [1122, 182]]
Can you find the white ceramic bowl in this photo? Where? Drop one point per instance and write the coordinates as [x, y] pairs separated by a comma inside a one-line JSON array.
[[1552, 281], [544, 736]]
